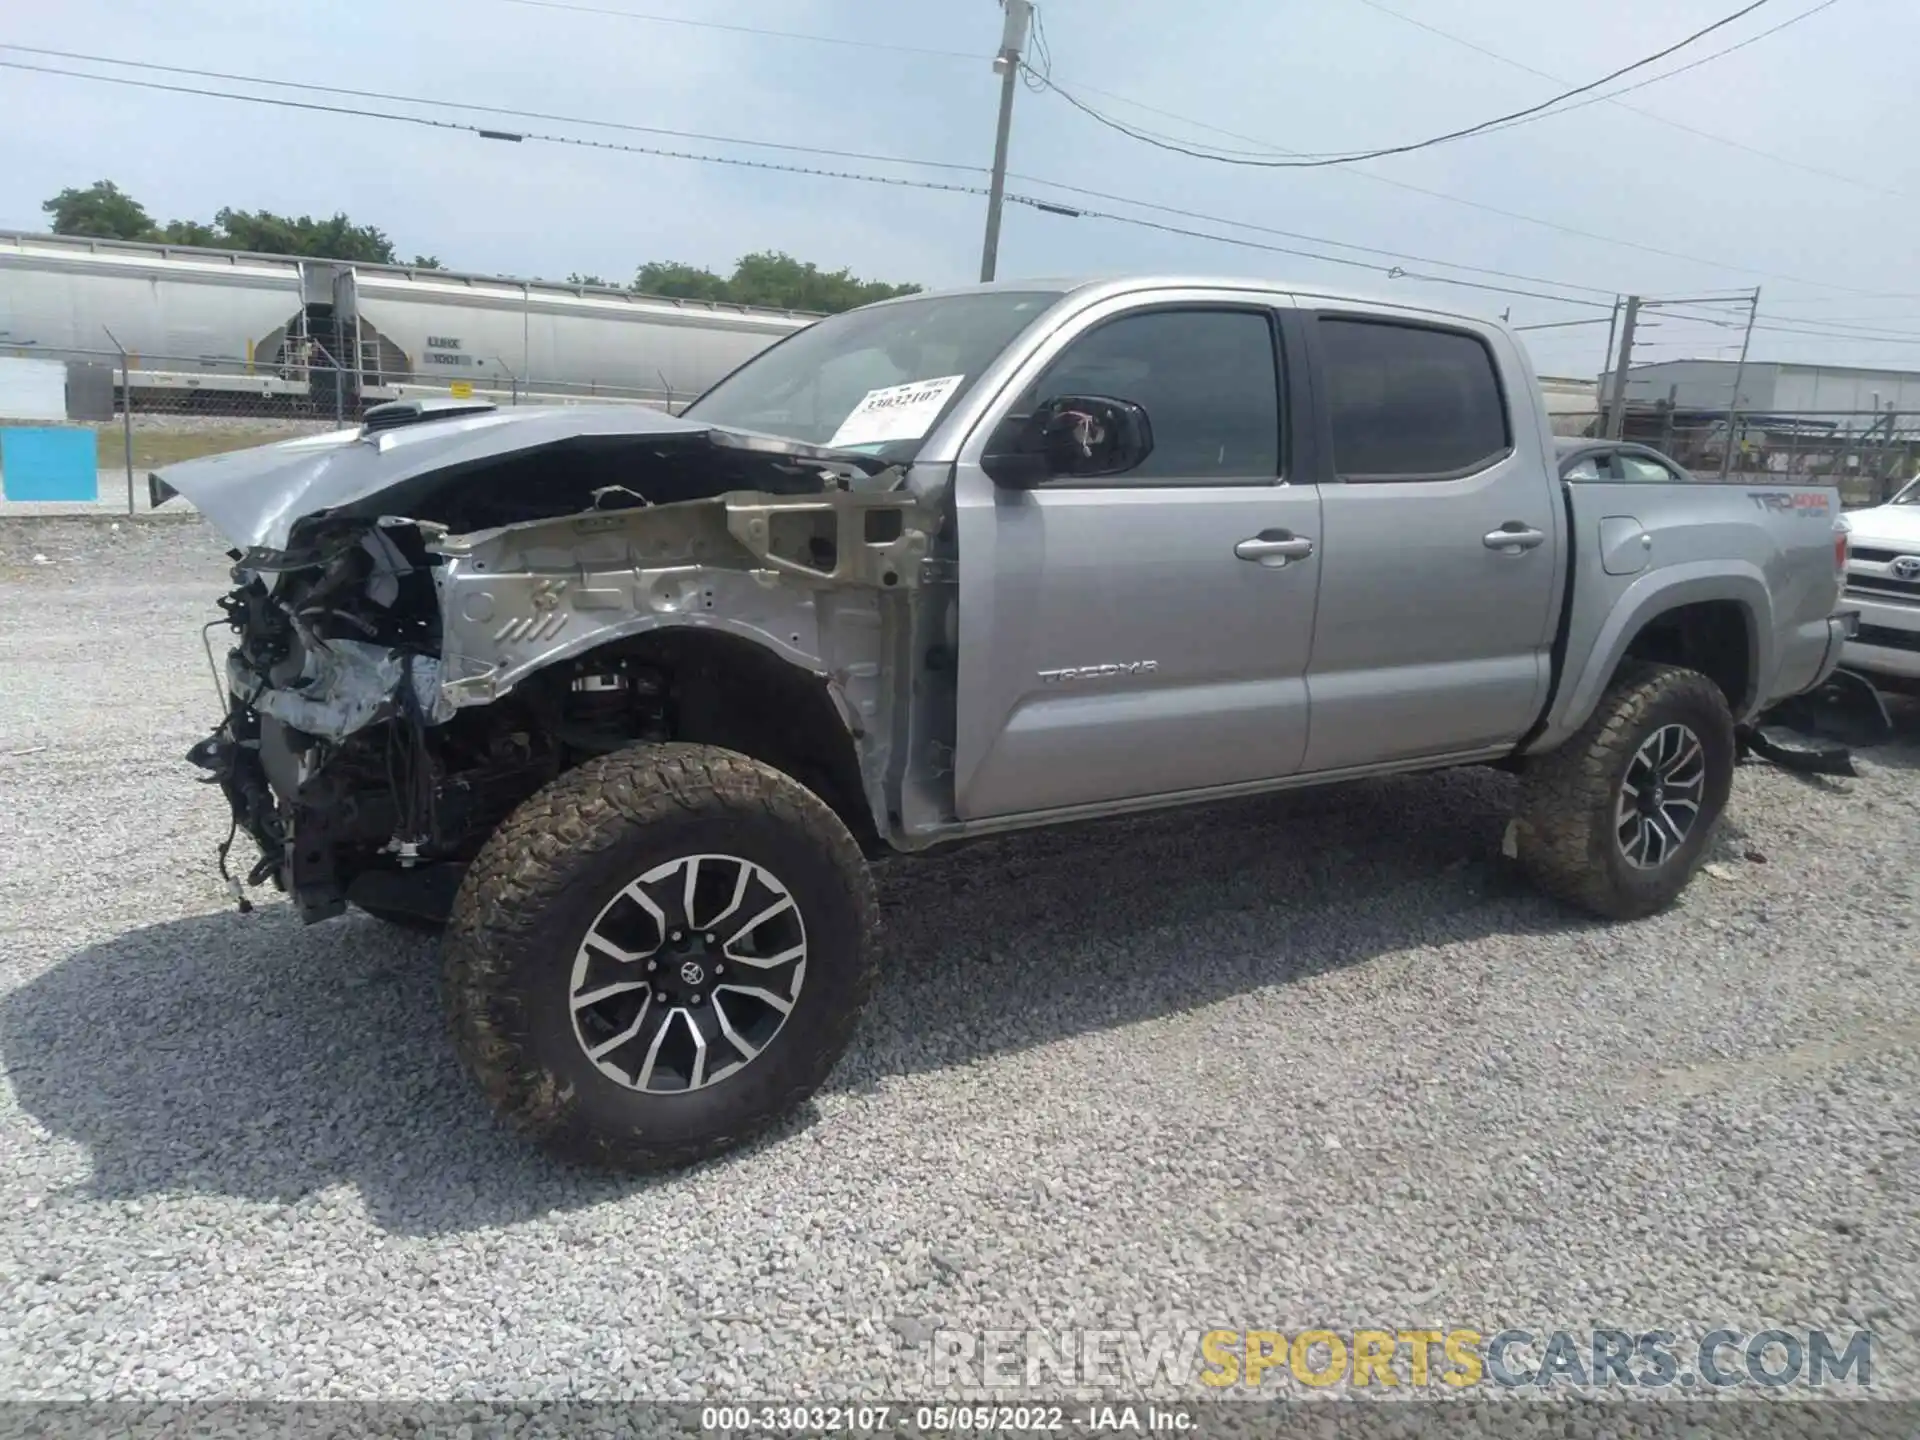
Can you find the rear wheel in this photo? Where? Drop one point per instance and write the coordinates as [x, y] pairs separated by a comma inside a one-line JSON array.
[[1617, 819], [661, 953]]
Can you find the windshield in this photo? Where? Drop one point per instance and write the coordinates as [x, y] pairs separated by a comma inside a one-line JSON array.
[[876, 380], [1909, 493]]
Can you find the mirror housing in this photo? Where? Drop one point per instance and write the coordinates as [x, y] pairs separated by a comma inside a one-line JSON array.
[[1080, 437]]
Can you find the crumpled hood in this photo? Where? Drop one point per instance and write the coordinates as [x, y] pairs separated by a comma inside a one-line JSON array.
[[1884, 525], [257, 497]]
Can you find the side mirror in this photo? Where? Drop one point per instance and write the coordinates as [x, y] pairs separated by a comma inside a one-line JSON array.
[[1081, 437]]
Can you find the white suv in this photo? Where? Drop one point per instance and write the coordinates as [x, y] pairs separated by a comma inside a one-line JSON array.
[[1883, 580]]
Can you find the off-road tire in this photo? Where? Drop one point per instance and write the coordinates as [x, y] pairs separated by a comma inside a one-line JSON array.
[[1565, 828], [536, 886]]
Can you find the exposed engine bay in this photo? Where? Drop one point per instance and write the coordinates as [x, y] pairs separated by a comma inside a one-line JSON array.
[[397, 686]]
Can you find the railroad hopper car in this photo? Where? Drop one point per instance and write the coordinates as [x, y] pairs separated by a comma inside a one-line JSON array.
[[227, 331]]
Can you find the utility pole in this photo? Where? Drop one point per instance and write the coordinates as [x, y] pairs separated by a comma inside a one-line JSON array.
[[1007, 63], [1617, 404], [1739, 373]]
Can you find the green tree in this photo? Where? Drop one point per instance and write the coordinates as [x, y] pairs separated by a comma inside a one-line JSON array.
[[578, 279], [679, 282], [192, 232], [769, 278], [103, 210], [427, 262], [335, 238]]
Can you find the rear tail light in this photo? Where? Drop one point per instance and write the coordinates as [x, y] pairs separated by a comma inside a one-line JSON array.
[[1840, 531]]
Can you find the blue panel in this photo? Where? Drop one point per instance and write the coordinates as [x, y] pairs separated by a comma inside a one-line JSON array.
[[47, 464]]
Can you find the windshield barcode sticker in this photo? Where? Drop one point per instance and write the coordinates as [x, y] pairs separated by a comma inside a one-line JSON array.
[[899, 412]]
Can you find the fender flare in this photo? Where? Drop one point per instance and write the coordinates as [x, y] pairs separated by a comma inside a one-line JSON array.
[[1649, 597]]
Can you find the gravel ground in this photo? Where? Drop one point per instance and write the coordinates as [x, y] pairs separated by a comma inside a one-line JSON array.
[[1310, 1060]]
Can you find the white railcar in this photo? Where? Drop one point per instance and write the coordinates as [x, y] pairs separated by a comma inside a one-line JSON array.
[[232, 324]]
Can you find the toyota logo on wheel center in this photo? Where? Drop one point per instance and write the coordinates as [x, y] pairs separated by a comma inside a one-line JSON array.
[[692, 973]]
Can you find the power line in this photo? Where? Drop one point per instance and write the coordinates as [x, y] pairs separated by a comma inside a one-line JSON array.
[[1391, 272], [1558, 227], [1044, 52], [1634, 109], [583, 9], [490, 109], [804, 149], [1193, 214], [1321, 161], [1581, 232], [1563, 324], [510, 136], [1703, 60]]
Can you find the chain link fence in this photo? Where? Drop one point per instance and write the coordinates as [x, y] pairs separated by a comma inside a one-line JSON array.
[[1866, 454]]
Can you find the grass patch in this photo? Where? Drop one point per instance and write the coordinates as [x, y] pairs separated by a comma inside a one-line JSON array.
[[156, 448]]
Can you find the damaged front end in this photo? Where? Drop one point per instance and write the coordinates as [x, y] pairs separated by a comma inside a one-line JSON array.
[[415, 659], [337, 753]]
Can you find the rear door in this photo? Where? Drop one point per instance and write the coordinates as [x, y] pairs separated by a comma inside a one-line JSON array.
[[1442, 540], [1149, 633]]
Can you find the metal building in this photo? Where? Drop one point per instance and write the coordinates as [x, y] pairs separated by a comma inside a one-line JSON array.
[[1771, 387]]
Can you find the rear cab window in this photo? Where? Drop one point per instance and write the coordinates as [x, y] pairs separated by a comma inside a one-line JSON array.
[[1408, 401]]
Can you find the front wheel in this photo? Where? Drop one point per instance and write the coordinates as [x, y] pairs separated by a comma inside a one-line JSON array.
[[660, 954], [1616, 820]]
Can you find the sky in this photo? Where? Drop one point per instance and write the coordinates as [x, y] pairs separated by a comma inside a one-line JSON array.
[[1788, 164]]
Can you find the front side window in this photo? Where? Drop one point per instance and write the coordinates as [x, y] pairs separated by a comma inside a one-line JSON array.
[[1410, 403], [875, 380], [1207, 379]]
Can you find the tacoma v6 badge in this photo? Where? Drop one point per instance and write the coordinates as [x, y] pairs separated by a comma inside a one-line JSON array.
[[1099, 672]]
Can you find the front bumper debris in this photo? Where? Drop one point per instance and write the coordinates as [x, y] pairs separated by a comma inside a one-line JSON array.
[[1817, 732]]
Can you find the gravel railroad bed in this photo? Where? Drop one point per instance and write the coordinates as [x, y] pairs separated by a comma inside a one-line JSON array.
[[1309, 1060]]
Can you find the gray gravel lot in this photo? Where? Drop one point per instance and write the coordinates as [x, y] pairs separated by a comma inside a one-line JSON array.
[[1310, 1060]]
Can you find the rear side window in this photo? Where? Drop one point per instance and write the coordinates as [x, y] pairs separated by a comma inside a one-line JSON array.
[[1410, 403]]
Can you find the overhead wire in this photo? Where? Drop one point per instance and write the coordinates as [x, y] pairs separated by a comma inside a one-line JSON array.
[[1681, 125], [1037, 202], [1582, 232], [1312, 162], [1046, 72], [480, 109], [1696, 64], [1034, 201], [285, 102], [581, 8]]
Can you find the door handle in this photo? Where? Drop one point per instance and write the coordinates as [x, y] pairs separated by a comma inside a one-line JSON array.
[[1274, 548], [1513, 537]]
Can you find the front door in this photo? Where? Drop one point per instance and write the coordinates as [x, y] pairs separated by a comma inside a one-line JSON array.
[[1147, 633], [1442, 546]]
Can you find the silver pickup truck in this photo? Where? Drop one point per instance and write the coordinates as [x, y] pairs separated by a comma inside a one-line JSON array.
[[627, 700]]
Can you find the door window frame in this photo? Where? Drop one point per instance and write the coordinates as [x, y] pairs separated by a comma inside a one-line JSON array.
[[1310, 321], [1299, 456]]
